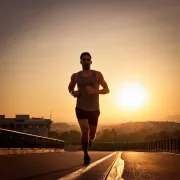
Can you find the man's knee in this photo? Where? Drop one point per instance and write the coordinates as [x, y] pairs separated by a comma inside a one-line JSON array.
[[85, 135], [85, 130], [92, 135], [92, 132]]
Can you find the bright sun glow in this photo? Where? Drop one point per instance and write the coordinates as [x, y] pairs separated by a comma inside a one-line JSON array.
[[132, 96]]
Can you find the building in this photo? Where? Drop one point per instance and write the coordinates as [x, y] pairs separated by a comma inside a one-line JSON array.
[[23, 123]]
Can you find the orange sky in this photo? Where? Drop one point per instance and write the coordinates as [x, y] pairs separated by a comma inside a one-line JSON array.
[[129, 41]]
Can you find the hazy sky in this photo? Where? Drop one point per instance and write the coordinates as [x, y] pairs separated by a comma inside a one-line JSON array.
[[41, 41]]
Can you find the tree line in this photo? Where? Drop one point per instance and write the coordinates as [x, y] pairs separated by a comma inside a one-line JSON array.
[[112, 135]]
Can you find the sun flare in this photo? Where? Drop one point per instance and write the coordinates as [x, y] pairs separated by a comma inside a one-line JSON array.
[[132, 96]]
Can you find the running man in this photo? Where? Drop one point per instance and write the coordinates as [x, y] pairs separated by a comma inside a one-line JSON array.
[[87, 104]]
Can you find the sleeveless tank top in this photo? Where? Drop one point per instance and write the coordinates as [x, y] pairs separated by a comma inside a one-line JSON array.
[[88, 102]]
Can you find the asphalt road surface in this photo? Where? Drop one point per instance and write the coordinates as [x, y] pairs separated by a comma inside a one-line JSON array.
[[69, 165], [47, 166], [151, 166]]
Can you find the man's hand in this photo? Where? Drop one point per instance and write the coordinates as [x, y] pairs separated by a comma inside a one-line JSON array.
[[91, 90], [76, 94]]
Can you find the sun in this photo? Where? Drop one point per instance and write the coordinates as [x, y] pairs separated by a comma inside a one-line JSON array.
[[132, 96]]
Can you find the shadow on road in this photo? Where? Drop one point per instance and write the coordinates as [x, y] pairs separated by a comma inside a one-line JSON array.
[[51, 172]]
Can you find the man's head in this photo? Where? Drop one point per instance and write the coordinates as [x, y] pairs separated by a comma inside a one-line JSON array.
[[85, 60]]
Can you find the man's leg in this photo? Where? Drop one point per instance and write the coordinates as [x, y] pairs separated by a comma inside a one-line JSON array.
[[85, 133], [93, 122], [92, 131]]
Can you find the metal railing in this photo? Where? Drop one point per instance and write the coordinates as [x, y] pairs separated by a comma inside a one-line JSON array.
[[13, 139], [156, 145]]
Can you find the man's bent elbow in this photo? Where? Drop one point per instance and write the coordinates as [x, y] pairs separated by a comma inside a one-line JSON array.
[[70, 88], [108, 91]]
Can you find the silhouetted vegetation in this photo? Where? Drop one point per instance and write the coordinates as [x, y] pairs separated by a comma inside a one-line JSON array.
[[70, 137], [126, 132], [109, 136]]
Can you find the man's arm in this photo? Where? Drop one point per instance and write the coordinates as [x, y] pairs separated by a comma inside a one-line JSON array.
[[72, 84], [103, 83]]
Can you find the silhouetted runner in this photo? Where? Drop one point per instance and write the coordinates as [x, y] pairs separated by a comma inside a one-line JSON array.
[[87, 104]]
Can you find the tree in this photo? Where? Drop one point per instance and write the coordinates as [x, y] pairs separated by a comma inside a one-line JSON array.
[[71, 137], [53, 134]]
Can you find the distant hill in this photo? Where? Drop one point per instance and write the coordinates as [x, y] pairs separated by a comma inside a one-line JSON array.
[[149, 127], [63, 127], [139, 131], [174, 118], [122, 132]]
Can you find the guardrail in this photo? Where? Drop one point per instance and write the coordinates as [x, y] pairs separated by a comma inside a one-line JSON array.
[[13, 139], [156, 145]]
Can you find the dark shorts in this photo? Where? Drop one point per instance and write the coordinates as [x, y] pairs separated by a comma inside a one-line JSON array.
[[92, 116]]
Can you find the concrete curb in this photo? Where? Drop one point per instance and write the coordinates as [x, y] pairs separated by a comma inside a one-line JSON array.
[[28, 151]]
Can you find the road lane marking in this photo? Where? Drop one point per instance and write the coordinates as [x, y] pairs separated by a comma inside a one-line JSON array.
[[117, 169], [77, 173], [109, 169]]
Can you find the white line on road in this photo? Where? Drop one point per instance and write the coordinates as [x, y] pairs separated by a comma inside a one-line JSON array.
[[77, 173], [117, 169]]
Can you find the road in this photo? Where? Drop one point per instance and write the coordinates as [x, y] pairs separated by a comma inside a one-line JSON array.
[[151, 166], [47, 166], [68, 165]]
